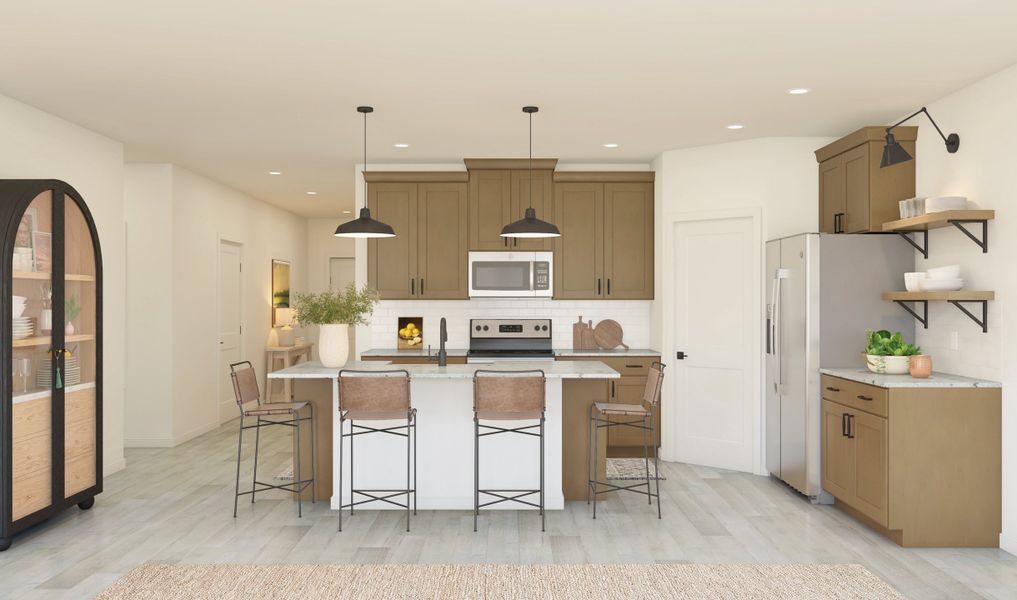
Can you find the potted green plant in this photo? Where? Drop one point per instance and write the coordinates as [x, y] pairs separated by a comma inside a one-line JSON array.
[[71, 311], [888, 353], [333, 311]]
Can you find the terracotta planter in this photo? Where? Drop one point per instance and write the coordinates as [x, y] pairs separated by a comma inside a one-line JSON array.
[[920, 366], [333, 345]]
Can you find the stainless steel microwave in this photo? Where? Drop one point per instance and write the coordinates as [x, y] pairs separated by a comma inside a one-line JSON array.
[[511, 274]]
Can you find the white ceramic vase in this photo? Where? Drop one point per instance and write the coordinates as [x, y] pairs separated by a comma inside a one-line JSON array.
[[887, 365], [333, 345]]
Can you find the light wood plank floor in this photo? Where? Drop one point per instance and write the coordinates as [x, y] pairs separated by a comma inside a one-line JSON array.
[[175, 505]]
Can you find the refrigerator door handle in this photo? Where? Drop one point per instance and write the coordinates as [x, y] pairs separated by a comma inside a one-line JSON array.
[[778, 341]]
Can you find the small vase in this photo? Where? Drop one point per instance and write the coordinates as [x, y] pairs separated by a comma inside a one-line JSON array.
[[46, 321], [69, 329], [920, 366], [333, 345]]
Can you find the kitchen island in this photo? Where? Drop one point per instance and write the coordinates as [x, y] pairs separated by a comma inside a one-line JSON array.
[[443, 397]]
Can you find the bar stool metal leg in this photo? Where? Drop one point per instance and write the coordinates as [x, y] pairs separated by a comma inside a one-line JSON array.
[[408, 444], [646, 463], [254, 477], [297, 474], [414, 466], [314, 459], [353, 487], [240, 445], [476, 472], [342, 436], [596, 459], [656, 451], [543, 517]]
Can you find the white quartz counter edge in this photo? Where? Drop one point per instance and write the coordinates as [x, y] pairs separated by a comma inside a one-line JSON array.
[[937, 380], [552, 370], [458, 352]]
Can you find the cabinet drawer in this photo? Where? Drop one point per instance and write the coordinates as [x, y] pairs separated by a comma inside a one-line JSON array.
[[79, 406], [30, 418], [79, 439], [30, 493], [632, 366], [31, 455], [79, 474], [868, 398]]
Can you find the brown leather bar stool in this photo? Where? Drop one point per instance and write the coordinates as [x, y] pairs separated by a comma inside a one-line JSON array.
[[372, 396], [245, 389], [507, 396], [638, 416]]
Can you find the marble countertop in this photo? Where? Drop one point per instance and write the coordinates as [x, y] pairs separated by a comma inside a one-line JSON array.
[[421, 352], [552, 370], [937, 380]]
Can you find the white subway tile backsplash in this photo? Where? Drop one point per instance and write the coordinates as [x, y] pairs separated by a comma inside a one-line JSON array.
[[633, 315]]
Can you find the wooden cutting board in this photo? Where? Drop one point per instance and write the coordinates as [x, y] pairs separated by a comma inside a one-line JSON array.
[[589, 343], [608, 334], [577, 334]]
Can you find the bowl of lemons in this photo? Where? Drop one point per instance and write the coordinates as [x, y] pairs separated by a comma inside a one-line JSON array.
[[410, 334]]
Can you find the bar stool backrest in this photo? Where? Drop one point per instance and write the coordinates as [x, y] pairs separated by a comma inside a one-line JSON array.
[[508, 391], [654, 381], [374, 391], [245, 384]]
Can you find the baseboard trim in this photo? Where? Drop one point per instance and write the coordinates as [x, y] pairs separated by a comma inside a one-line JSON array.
[[1008, 543], [168, 442], [112, 466]]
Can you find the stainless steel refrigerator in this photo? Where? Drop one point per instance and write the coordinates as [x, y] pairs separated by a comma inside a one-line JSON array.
[[823, 292]]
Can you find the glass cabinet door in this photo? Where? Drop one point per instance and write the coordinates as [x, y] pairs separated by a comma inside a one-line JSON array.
[[32, 359], [79, 360]]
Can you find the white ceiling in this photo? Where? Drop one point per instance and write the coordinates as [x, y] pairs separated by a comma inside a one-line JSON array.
[[235, 88]]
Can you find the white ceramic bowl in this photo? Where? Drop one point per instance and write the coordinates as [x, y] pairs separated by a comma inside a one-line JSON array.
[[941, 203], [945, 272], [940, 285], [18, 305], [889, 365], [911, 281]]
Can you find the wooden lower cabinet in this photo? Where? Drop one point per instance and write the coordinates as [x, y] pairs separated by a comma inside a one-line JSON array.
[[921, 465]]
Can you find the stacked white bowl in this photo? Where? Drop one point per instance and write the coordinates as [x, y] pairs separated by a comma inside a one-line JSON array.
[[937, 279], [18, 305]]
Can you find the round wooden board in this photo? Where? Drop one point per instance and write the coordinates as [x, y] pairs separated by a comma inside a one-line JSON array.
[[608, 334]]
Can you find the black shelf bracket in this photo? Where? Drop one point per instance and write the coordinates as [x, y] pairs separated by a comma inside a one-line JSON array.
[[984, 321], [982, 243], [924, 246], [921, 318]]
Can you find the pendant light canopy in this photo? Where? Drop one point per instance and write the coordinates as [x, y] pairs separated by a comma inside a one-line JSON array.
[[894, 153], [365, 226], [530, 226]]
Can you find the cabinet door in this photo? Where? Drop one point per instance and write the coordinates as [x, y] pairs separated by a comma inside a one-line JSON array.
[[856, 190], [543, 202], [628, 241], [392, 262], [838, 453], [871, 465], [441, 240], [629, 390], [831, 194], [490, 208], [579, 252]]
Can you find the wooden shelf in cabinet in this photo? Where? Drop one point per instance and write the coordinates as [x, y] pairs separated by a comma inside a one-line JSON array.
[[47, 340], [42, 276], [955, 298]]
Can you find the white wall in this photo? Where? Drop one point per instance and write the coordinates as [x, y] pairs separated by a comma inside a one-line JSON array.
[[322, 245], [982, 170], [775, 178], [36, 145], [201, 212]]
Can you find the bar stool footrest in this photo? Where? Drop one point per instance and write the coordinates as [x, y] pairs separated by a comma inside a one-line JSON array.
[[517, 498], [372, 497]]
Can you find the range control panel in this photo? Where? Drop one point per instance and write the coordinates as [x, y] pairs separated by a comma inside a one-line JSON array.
[[510, 328]]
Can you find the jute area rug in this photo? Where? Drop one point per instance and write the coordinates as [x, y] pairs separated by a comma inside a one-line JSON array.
[[585, 582]]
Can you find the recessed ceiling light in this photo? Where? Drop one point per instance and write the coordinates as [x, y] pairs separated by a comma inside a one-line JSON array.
[[275, 172], [401, 145], [312, 193], [735, 126], [347, 212], [610, 145], [798, 91]]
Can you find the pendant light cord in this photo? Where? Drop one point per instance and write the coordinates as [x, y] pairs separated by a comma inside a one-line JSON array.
[[529, 164], [365, 142]]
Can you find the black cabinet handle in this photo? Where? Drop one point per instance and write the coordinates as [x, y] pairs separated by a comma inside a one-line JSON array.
[[866, 398], [413, 286], [598, 287], [608, 286], [633, 366], [851, 426], [838, 223], [421, 286], [612, 389], [843, 424], [832, 389]]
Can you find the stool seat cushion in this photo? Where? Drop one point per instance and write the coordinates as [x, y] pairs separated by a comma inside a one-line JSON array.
[[271, 408], [377, 415], [502, 415], [613, 408]]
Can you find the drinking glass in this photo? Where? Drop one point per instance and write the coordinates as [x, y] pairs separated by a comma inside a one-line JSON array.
[[24, 369]]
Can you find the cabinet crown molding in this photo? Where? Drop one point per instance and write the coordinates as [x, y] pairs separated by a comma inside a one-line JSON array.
[[416, 176], [604, 176], [509, 163], [874, 133]]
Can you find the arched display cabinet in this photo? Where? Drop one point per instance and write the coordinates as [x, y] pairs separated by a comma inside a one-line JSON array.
[[51, 345]]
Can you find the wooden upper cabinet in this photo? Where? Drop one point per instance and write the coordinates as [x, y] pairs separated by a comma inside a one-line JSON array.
[[579, 252], [490, 203], [499, 197], [441, 241], [854, 186], [392, 262], [628, 240], [543, 202]]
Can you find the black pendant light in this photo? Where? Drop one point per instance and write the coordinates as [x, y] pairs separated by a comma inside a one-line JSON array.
[[365, 226], [894, 153], [530, 226]]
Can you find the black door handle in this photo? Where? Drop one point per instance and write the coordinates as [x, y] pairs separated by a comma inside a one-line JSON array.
[[612, 389], [608, 286], [680, 355], [421, 286], [413, 286]]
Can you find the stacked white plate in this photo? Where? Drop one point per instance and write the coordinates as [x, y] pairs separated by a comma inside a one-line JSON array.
[[72, 373], [22, 327]]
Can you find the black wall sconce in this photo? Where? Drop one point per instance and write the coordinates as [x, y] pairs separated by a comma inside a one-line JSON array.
[[893, 153]]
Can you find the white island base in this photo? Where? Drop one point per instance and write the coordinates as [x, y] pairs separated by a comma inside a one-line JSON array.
[[443, 397]]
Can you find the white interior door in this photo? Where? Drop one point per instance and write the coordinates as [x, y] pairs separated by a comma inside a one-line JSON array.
[[342, 272], [230, 325], [716, 275]]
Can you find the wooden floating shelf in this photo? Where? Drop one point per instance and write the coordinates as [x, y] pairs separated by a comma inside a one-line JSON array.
[[48, 341], [41, 276], [938, 219], [958, 296]]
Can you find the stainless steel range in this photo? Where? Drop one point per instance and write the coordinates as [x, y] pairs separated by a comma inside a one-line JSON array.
[[499, 340]]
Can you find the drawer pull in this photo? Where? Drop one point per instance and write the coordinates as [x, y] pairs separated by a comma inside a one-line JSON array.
[[866, 398], [633, 366], [832, 389]]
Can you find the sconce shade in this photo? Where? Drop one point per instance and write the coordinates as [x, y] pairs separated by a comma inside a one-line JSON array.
[[893, 152]]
